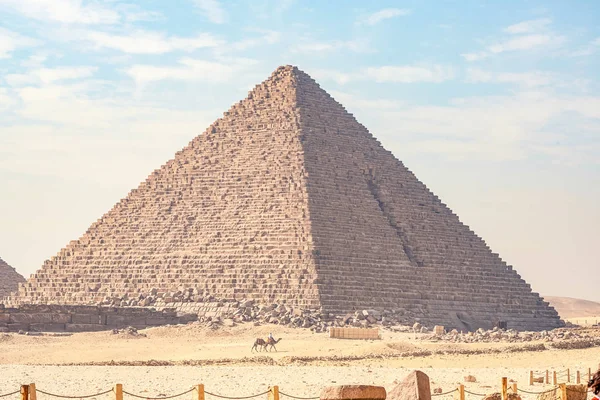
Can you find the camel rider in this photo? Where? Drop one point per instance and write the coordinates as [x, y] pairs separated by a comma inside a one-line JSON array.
[[270, 338]]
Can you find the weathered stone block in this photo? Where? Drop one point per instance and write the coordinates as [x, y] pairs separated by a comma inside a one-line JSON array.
[[353, 392], [16, 327], [414, 387], [61, 318], [47, 327], [85, 327], [26, 318]]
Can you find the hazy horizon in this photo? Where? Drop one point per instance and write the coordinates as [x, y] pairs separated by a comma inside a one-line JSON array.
[[493, 107]]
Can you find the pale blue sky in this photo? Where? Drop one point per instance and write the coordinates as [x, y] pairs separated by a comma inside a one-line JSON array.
[[493, 104]]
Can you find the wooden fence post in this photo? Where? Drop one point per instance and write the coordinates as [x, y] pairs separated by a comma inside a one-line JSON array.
[[274, 393], [504, 388], [563, 391], [32, 392], [569, 375], [118, 391], [547, 377], [514, 388], [530, 378], [24, 392], [461, 392], [578, 377], [554, 378], [200, 390]]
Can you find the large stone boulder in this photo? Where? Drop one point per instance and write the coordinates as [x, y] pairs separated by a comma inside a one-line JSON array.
[[414, 387], [353, 392]]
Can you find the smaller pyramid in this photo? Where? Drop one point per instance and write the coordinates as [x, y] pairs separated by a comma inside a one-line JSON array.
[[9, 279]]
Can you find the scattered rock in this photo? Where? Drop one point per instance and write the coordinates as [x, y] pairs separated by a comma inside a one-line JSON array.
[[414, 387]]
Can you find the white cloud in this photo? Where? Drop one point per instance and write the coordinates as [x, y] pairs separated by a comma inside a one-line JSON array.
[[145, 42], [189, 69], [525, 79], [64, 11], [11, 41], [359, 103], [498, 128], [212, 10], [50, 75], [357, 46], [339, 77], [410, 74], [526, 42], [392, 74], [268, 37], [381, 15], [587, 50], [530, 26], [475, 56]]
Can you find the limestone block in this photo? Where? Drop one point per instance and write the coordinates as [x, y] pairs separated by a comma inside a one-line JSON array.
[[85, 327], [47, 327], [414, 387], [353, 392]]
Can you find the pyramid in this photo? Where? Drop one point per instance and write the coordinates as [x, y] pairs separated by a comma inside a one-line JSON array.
[[9, 279], [288, 199]]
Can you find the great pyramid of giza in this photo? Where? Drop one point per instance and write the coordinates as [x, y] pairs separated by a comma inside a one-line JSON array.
[[288, 199], [9, 279]]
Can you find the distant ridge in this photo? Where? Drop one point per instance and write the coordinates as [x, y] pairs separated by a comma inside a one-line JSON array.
[[569, 307]]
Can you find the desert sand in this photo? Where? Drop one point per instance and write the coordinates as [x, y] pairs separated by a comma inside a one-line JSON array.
[[222, 360]]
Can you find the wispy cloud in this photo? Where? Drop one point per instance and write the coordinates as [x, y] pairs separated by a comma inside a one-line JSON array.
[[475, 56], [389, 74], [357, 46], [11, 41], [146, 42], [530, 26], [410, 74], [587, 50], [266, 37], [212, 10], [526, 35], [50, 75], [510, 127], [382, 15], [63, 11], [526, 42], [189, 69], [333, 75], [525, 79]]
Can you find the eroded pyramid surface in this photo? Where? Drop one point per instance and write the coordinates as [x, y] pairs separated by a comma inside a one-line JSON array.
[[9, 279], [288, 199]]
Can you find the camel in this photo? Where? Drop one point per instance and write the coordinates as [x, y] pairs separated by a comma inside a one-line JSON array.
[[261, 344], [272, 343]]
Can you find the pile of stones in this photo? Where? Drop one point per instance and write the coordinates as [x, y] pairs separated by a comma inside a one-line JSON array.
[[129, 331], [508, 336], [233, 312], [298, 318]]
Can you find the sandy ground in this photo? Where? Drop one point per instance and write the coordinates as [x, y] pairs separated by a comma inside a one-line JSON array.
[[229, 368]]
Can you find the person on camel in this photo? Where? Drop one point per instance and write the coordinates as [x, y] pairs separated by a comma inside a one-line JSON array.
[[270, 339]]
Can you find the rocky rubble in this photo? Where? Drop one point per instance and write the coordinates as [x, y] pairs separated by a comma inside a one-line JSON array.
[[129, 331], [509, 336], [233, 312]]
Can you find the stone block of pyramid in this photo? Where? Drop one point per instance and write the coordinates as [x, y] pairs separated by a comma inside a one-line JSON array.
[[288, 199]]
